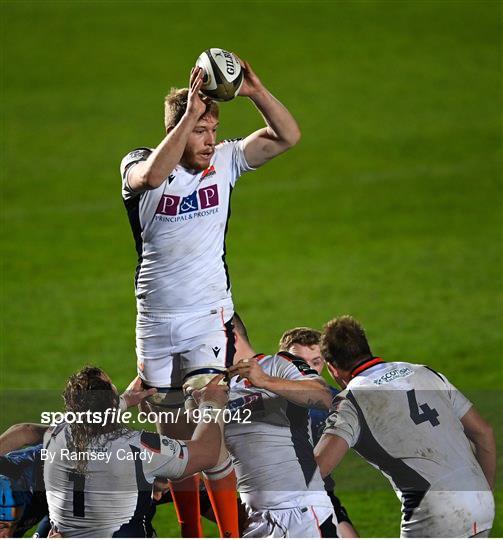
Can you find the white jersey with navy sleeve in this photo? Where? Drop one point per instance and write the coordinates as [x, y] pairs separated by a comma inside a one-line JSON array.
[[404, 419], [116, 490], [179, 230], [273, 453]]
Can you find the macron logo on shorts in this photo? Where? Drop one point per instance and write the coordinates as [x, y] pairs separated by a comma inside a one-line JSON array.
[[173, 205]]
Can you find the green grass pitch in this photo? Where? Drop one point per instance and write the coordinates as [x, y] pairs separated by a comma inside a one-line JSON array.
[[389, 209]]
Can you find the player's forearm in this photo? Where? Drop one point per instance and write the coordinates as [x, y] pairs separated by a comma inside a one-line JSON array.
[[307, 393], [481, 433], [281, 125], [204, 447], [210, 427], [168, 153], [210, 434], [485, 452], [20, 435]]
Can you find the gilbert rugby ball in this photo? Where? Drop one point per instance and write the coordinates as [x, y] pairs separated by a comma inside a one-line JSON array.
[[223, 75]]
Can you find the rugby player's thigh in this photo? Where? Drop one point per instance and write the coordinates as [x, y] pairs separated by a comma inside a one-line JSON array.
[[157, 365], [208, 343]]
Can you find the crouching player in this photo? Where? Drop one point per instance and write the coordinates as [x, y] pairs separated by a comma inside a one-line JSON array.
[[99, 476], [278, 479], [413, 425], [22, 496], [304, 342]]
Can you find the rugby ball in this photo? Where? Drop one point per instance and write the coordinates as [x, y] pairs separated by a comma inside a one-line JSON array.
[[223, 75]]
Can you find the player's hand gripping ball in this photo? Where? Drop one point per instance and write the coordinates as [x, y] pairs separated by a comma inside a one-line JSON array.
[[223, 75]]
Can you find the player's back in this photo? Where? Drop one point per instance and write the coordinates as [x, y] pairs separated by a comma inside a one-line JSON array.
[[405, 420], [99, 502], [412, 414], [115, 491]]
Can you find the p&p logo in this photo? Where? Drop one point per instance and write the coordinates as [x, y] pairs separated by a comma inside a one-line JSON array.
[[173, 205]]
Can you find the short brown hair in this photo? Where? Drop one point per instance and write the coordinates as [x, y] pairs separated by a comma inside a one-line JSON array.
[[344, 343], [175, 105], [302, 335]]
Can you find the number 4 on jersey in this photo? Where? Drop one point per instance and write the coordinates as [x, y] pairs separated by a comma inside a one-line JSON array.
[[427, 414]]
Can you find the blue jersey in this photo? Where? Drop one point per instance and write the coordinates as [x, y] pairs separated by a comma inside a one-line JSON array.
[[317, 418], [23, 468]]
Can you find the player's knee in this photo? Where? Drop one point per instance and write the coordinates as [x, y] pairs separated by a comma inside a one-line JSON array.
[[169, 398], [196, 381]]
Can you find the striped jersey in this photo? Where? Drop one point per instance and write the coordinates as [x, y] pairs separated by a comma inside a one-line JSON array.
[[404, 419], [273, 452], [116, 490], [179, 230]]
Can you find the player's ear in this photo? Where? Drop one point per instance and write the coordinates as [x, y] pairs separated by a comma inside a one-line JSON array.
[[333, 371], [237, 337]]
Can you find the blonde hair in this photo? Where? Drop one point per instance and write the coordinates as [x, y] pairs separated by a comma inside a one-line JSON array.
[[175, 105]]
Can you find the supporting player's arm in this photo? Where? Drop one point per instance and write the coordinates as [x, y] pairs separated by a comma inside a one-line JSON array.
[[342, 431], [20, 435], [329, 452], [305, 392], [135, 394], [152, 172], [481, 433], [281, 131], [204, 447], [174, 459]]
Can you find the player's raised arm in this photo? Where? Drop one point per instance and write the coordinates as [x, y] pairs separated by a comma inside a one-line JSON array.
[[151, 173], [281, 131]]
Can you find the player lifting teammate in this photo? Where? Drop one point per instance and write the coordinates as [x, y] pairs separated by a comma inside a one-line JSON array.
[[177, 196], [99, 476], [304, 342], [278, 479], [413, 425]]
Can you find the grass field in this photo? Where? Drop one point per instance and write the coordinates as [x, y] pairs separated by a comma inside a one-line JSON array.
[[389, 209]]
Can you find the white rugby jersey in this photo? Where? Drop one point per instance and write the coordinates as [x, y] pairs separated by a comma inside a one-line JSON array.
[[111, 494], [404, 419], [273, 454], [179, 231]]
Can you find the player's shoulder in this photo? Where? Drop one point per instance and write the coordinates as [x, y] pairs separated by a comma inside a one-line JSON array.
[[162, 444], [227, 147], [272, 364], [134, 156], [383, 374], [142, 152], [266, 361], [341, 397], [301, 365], [227, 143], [53, 431]]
